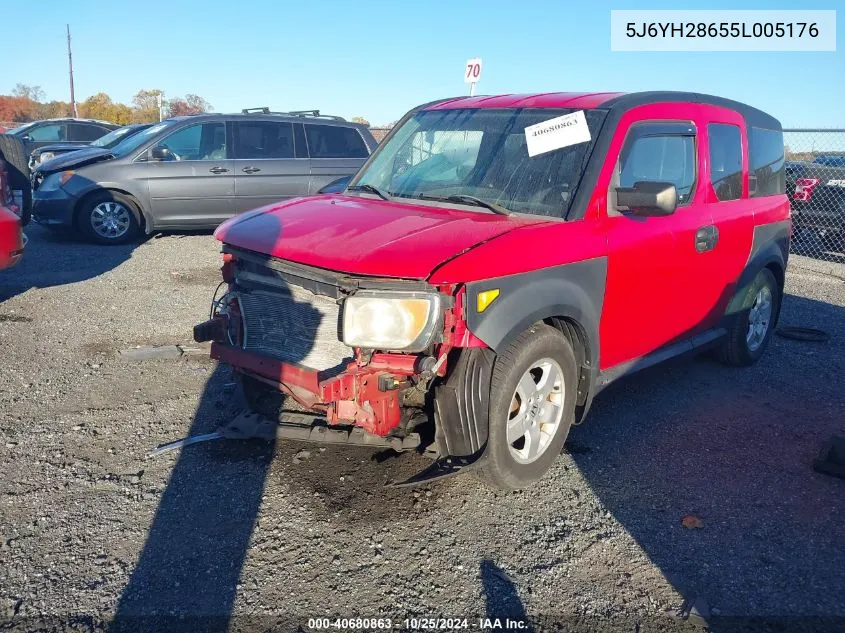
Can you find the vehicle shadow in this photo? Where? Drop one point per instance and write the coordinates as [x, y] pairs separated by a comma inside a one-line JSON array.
[[54, 259], [735, 457]]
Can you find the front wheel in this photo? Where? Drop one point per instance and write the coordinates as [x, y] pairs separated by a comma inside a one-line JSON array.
[[751, 330], [109, 218], [532, 406]]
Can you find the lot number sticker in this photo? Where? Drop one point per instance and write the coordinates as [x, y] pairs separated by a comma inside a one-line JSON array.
[[562, 131]]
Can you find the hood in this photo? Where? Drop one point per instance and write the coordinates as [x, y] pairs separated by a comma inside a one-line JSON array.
[[60, 147], [365, 236], [75, 159]]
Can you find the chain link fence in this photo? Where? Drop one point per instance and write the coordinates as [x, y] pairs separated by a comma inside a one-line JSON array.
[[815, 184]]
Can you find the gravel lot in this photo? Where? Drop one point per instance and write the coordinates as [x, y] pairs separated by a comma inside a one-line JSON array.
[[252, 534]]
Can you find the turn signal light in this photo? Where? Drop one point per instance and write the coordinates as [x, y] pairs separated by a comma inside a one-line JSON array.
[[485, 298]]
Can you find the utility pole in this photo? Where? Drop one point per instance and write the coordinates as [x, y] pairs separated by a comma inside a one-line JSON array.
[[70, 68]]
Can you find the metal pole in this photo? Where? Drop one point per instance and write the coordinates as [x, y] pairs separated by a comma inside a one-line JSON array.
[[472, 89], [70, 69]]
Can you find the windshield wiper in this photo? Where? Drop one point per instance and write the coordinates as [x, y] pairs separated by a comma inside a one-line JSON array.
[[478, 202], [370, 189]]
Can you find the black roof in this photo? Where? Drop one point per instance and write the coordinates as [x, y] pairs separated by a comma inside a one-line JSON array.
[[753, 116]]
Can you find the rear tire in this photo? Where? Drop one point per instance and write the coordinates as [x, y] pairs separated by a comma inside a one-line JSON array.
[[543, 410], [744, 347], [109, 218]]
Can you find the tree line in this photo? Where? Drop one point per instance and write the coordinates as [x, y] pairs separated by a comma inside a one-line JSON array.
[[27, 103]]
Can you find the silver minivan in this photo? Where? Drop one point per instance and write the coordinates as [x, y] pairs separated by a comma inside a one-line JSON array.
[[196, 171]]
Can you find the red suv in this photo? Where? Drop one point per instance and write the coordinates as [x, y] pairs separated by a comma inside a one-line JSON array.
[[500, 260]]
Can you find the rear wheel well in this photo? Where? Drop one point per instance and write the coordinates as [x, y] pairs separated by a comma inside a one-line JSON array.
[[778, 272], [780, 278], [142, 220]]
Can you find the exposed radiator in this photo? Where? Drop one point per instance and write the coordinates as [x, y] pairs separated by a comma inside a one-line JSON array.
[[294, 325]]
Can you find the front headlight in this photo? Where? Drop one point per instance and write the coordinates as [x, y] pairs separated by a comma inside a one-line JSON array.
[[44, 156], [56, 180], [391, 321], [51, 182]]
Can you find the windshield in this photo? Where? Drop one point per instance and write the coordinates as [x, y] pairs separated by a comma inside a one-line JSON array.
[[482, 154], [114, 137], [129, 145], [17, 131]]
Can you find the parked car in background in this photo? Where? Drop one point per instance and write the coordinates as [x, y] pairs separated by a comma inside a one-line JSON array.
[[110, 140], [817, 192], [63, 131], [12, 239], [13, 154], [196, 171], [100, 149], [500, 260]]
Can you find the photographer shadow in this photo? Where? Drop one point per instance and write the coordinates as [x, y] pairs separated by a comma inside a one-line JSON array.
[[187, 575]]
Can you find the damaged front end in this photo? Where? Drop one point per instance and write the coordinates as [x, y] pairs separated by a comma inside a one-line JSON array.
[[372, 358]]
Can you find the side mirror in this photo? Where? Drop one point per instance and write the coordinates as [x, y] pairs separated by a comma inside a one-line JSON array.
[[26, 138], [648, 198], [160, 152]]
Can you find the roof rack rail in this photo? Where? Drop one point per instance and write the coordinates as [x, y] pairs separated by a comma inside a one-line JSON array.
[[303, 113]]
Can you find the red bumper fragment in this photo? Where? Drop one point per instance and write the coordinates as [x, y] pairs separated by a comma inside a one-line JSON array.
[[355, 396]]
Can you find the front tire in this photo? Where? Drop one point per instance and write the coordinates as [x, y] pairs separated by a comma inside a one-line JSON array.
[[532, 406], [109, 218], [752, 328]]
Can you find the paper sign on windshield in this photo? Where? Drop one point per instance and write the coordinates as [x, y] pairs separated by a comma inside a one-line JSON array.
[[562, 131]]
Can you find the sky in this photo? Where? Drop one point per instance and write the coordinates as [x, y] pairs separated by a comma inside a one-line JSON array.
[[379, 59]]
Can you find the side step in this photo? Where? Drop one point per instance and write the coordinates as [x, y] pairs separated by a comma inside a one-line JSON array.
[[294, 426]]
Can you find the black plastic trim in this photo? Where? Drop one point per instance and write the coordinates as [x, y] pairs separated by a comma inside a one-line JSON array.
[[462, 403], [770, 245], [574, 291], [687, 346]]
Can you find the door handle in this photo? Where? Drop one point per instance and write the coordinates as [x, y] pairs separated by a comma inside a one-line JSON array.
[[218, 170], [250, 170], [706, 238]]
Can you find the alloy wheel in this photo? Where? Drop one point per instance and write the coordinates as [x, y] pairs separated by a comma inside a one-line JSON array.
[[110, 220], [535, 411], [759, 319]]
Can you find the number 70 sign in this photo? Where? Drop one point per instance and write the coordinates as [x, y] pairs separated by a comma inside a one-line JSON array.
[[472, 73], [472, 70]]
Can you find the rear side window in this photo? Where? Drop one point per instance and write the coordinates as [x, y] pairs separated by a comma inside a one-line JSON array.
[[725, 160], [766, 162], [263, 139], [332, 141], [83, 133], [660, 158]]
